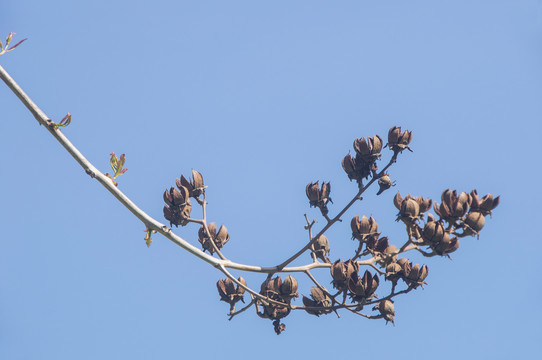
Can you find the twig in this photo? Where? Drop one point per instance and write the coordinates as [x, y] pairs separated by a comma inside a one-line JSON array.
[[393, 294], [380, 272], [308, 227], [242, 310]]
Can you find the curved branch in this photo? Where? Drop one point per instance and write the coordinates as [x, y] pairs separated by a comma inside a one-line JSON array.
[[147, 220]]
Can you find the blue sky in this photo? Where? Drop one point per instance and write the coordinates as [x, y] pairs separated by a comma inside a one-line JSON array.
[[263, 98]]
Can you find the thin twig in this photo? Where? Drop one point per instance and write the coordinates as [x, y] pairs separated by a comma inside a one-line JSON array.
[[308, 227], [242, 310]]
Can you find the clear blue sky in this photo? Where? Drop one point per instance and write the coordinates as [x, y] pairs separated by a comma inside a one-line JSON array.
[[263, 97]]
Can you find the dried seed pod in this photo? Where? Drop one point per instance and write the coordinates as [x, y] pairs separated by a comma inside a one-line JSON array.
[[195, 186], [321, 248], [222, 237], [197, 181], [368, 150], [288, 289], [174, 197], [433, 231], [424, 271], [271, 285], [414, 273], [271, 288], [442, 210], [275, 312], [424, 204], [387, 310], [397, 140], [362, 228], [385, 183], [349, 167], [398, 201], [278, 327], [325, 191], [417, 276], [357, 168], [341, 272], [393, 135], [313, 193], [393, 272], [372, 283], [219, 239], [240, 290], [405, 267], [377, 246], [461, 204], [318, 197], [485, 204], [226, 289], [453, 206], [389, 255], [447, 245], [475, 221], [320, 303], [178, 207], [338, 271], [228, 292], [362, 288], [473, 224], [409, 209]]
